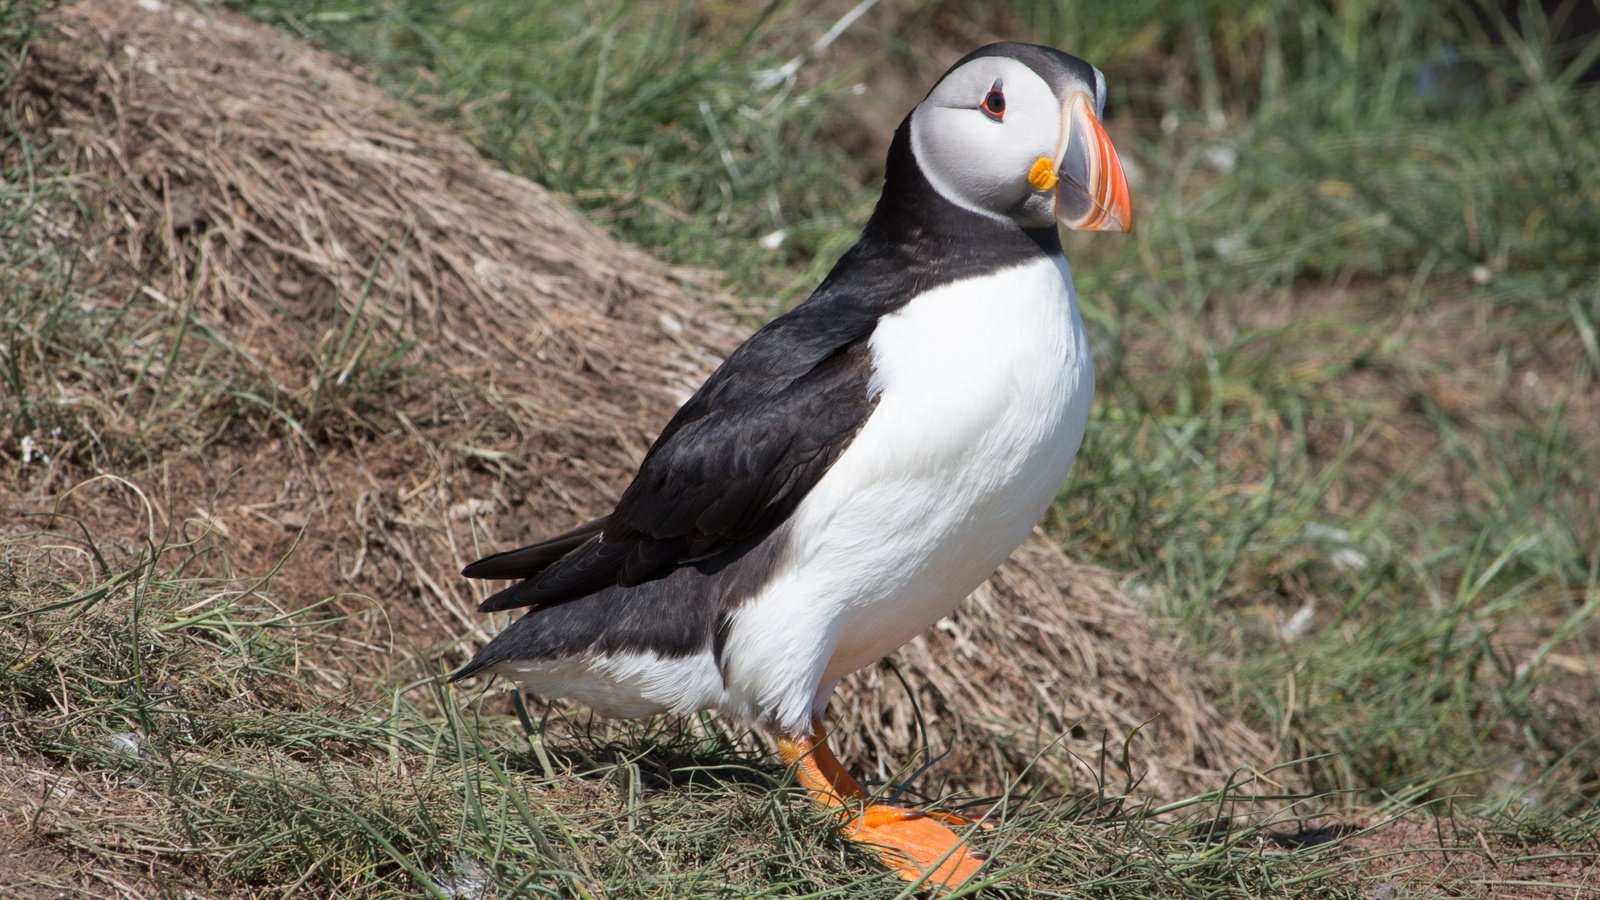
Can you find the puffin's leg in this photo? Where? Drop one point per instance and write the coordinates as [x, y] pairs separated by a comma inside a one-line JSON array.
[[820, 766], [917, 846]]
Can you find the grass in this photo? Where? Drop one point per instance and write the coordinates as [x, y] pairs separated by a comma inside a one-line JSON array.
[[202, 706], [1343, 447], [1313, 404], [661, 133], [132, 381]]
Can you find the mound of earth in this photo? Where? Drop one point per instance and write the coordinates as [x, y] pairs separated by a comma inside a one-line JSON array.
[[439, 359]]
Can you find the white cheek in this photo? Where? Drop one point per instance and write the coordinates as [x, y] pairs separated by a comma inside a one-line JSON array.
[[975, 162]]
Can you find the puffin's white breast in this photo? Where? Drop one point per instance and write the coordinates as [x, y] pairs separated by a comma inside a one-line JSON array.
[[984, 391]]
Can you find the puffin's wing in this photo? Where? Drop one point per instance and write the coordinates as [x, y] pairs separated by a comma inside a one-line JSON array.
[[730, 466]]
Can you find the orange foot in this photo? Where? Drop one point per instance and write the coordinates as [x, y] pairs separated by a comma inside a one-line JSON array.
[[917, 845]]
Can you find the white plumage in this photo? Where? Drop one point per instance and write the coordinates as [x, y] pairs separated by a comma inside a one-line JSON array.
[[984, 391]]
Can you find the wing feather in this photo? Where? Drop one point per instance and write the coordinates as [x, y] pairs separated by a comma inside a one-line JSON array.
[[731, 465]]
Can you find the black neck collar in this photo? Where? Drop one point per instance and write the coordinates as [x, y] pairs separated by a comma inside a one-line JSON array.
[[927, 240], [917, 240]]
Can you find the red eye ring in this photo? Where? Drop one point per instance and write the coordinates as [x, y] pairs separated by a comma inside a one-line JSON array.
[[994, 102]]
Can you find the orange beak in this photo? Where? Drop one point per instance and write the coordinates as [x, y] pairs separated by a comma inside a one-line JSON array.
[[1092, 191]]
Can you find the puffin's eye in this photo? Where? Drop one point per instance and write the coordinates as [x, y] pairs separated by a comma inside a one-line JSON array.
[[994, 102]]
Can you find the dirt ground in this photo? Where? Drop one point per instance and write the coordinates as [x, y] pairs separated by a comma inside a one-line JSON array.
[[1417, 857]]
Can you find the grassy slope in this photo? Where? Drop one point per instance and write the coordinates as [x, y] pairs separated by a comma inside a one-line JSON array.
[[1354, 378], [1318, 451]]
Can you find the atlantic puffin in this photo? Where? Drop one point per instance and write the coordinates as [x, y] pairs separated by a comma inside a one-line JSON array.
[[861, 463]]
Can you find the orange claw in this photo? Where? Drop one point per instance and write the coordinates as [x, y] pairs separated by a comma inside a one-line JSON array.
[[918, 846]]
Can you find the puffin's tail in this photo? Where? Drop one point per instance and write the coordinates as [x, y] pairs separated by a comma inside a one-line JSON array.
[[522, 563], [526, 562], [468, 670]]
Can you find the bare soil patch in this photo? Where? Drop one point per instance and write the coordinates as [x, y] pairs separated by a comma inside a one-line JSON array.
[[1421, 857]]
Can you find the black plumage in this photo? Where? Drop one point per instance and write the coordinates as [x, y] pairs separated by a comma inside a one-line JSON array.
[[692, 535], [731, 466], [678, 614], [1058, 69], [534, 558]]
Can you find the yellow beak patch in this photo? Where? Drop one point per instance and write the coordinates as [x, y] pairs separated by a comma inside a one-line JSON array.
[[1042, 174]]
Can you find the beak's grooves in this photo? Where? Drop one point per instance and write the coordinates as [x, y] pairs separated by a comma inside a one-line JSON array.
[[1093, 193]]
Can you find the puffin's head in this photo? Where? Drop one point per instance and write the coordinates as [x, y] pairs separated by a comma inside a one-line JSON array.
[[1013, 131]]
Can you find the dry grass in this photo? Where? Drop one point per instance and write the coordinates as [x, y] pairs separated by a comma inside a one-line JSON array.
[[310, 234]]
